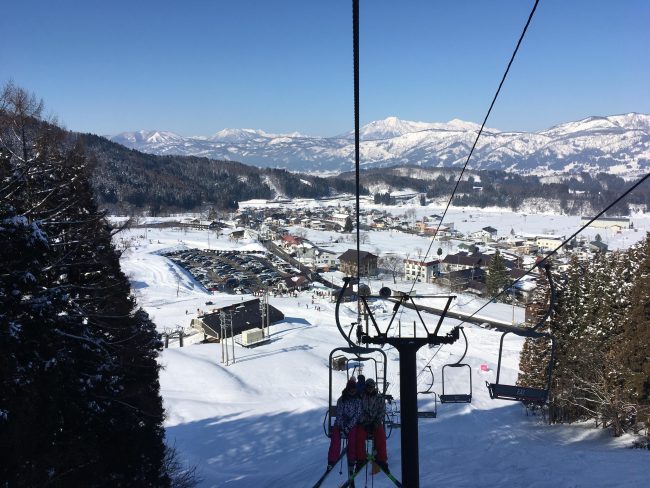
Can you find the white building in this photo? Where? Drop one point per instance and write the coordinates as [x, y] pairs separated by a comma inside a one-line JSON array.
[[549, 243], [422, 271], [339, 218], [486, 234], [612, 223]]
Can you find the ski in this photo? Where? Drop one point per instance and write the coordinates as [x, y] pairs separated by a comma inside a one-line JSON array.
[[390, 476], [349, 483], [328, 471]]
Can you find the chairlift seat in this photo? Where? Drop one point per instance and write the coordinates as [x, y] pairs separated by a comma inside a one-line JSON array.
[[427, 415], [517, 393], [456, 398]]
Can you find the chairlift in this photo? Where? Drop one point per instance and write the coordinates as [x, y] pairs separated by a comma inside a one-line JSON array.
[[358, 356], [429, 414], [525, 394], [457, 397], [393, 418]]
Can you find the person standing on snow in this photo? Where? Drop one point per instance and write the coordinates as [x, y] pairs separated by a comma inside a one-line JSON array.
[[348, 413], [373, 411]]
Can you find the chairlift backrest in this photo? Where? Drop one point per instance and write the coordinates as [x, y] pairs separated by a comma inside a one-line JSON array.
[[519, 393], [429, 414], [523, 393], [374, 356], [465, 397]]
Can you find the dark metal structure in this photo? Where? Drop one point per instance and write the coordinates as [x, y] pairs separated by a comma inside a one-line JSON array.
[[407, 348], [523, 393], [429, 414], [457, 397]]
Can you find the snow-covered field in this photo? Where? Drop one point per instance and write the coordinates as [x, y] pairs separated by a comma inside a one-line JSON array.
[[258, 422]]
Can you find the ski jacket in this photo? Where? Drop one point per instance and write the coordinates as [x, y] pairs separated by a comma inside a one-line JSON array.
[[373, 409], [348, 412]]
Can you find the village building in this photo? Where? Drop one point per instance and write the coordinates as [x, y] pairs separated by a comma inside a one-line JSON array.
[[201, 224], [597, 246], [471, 279], [430, 228], [422, 271], [242, 315], [460, 261], [289, 241], [367, 263], [486, 234], [549, 243], [339, 219], [615, 224], [292, 283], [325, 259]]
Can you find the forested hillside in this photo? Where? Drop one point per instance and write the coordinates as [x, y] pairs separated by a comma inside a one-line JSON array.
[[80, 402], [128, 179], [575, 194], [602, 327], [125, 180]]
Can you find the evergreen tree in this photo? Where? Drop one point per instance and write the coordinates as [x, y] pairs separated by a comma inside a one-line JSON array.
[[80, 403], [347, 227], [497, 278], [601, 325], [536, 353], [631, 351]]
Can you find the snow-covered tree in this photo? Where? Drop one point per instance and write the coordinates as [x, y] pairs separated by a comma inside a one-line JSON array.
[[80, 403], [601, 323]]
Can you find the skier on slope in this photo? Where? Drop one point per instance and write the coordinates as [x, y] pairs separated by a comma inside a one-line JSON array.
[[348, 413]]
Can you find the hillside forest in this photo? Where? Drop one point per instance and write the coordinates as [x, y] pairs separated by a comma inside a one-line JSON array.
[[601, 323], [127, 181]]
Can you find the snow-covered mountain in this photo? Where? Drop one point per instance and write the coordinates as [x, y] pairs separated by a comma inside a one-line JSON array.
[[617, 144]]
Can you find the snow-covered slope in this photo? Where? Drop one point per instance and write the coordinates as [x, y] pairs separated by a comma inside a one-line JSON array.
[[618, 144], [258, 422]]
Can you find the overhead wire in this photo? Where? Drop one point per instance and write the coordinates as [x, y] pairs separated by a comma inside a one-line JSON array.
[[560, 246], [355, 62], [471, 152], [480, 132]]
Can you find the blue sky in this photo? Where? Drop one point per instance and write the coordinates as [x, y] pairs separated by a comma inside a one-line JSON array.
[[196, 67]]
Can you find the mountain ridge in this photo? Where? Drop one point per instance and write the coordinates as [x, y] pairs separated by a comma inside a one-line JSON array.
[[615, 144]]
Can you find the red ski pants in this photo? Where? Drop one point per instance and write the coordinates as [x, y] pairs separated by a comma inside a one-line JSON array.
[[335, 445], [379, 435]]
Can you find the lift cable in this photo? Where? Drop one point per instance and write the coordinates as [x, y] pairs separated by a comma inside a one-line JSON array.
[[480, 132], [544, 259], [487, 115], [564, 243], [355, 57]]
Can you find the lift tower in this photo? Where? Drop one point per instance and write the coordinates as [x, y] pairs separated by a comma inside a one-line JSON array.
[[407, 348]]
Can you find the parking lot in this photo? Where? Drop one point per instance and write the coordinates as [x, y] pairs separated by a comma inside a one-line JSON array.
[[233, 272]]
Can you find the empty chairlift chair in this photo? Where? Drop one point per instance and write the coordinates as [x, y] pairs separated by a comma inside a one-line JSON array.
[[523, 393], [431, 413], [529, 395], [460, 397]]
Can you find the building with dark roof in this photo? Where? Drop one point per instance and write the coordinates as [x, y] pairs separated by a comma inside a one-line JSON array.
[[367, 263], [245, 316]]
